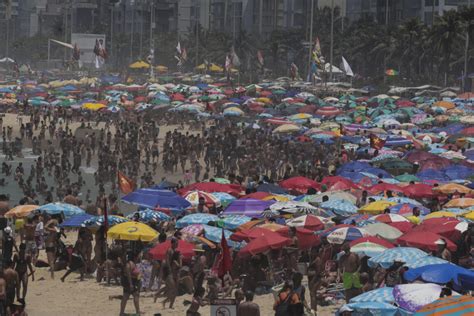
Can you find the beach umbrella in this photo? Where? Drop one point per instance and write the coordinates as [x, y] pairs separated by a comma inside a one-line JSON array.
[[397, 254], [382, 187], [440, 214], [292, 207], [263, 244], [342, 233], [418, 190], [57, 208], [93, 106], [412, 297], [381, 295], [384, 231], [198, 218], [425, 240], [76, 220], [376, 207], [448, 227], [423, 261], [21, 211], [389, 218], [149, 215], [132, 231], [271, 188], [310, 222], [332, 195], [406, 209], [186, 250], [248, 234], [407, 178], [139, 65], [438, 273], [194, 196], [153, 198], [214, 234], [223, 198], [233, 111], [221, 180], [233, 221], [248, 207], [449, 305], [286, 128], [370, 246], [97, 221], [452, 188], [193, 229], [461, 202], [277, 198], [341, 207], [211, 187], [370, 309]]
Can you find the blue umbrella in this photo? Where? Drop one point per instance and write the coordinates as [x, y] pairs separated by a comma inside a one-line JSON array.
[[382, 295], [199, 218], [371, 309], [455, 172], [148, 215], [401, 254], [341, 207], [432, 174], [224, 198], [271, 188], [153, 198], [438, 273], [97, 221], [76, 220], [413, 263], [233, 221], [214, 234], [56, 208]]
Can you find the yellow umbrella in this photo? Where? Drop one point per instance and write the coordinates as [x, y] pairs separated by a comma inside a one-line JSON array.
[[469, 215], [276, 197], [201, 67], [440, 214], [216, 68], [445, 104], [286, 128], [132, 231], [161, 68], [139, 65], [93, 106], [452, 188], [264, 100], [376, 207], [21, 211], [461, 202]]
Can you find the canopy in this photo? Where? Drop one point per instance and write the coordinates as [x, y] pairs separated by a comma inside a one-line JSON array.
[[20, 211], [132, 231]]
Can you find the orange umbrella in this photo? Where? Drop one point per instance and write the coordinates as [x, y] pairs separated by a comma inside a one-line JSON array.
[[272, 226], [21, 211], [445, 104], [461, 202], [452, 188], [250, 225]]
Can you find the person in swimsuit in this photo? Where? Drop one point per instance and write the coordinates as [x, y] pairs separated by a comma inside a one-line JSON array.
[[197, 302], [12, 285], [22, 263], [51, 244], [131, 284], [77, 261]]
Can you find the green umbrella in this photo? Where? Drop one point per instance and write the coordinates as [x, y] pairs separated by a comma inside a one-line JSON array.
[[204, 98], [407, 178], [222, 180], [279, 92]]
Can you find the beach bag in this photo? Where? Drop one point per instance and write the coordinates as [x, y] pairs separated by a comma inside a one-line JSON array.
[[282, 308]]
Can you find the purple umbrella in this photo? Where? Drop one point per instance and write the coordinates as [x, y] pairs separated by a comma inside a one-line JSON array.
[[248, 207], [412, 297]]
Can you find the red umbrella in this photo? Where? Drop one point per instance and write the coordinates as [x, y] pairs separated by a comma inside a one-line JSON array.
[[178, 97], [468, 131], [389, 218], [328, 111], [211, 187], [448, 227], [250, 234], [277, 121], [404, 227], [404, 103], [307, 109], [343, 186], [418, 190], [372, 239], [260, 195], [424, 240], [265, 93], [185, 248], [382, 187], [339, 183], [300, 184], [311, 222], [306, 238], [264, 244]]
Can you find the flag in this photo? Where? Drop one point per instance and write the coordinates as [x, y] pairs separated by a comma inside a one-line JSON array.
[[100, 53], [347, 68], [184, 54], [376, 142], [235, 58], [223, 263], [260, 57], [126, 184], [228, 62], [294, 71], [178, 48], [391, 72]]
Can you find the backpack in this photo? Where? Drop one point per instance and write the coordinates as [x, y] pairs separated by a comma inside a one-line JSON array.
[[282, 308]]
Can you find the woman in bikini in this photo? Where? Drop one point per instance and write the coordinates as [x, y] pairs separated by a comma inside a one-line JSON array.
[[51, 244], [22, 263]]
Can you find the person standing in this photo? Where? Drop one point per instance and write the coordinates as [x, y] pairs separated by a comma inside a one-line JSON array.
[[22, 263], [8, 245], [131, 284], [349, 265]]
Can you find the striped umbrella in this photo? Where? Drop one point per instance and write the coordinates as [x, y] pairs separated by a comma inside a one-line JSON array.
[[370, 246], [400, 254], [342, 233], [412, 297], [389, 218], [233, 221], [193, 230], [292, 207], [198, 218], [148, 215], [223, 198], [341, 207], [383, 295], [194, 196], [451, 305]]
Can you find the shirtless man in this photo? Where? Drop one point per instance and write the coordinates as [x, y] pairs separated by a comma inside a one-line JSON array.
[[22, 263], [51, 244], [349, 265], [12, 285], [3, 294], [29, 237]]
